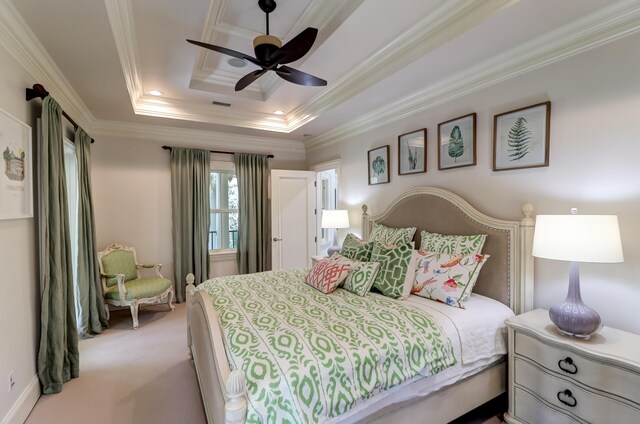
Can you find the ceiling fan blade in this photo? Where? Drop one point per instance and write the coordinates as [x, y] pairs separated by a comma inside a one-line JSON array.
[[226, 51], [248, 79], [299, 77], [296, 48]]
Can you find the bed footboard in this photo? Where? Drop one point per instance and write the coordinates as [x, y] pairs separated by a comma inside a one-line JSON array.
[[222, 390]]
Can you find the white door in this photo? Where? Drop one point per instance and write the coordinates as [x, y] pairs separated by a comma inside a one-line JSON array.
[[292, 218]]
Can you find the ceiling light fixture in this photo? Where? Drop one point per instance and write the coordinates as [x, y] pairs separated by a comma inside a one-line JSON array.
[[237, 63], [278, 112], [155, 93]]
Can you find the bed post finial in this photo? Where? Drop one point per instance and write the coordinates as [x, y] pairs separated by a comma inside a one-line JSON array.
[[527, 224], [527, 211], [365, 222], [190, 279], [235, 409]]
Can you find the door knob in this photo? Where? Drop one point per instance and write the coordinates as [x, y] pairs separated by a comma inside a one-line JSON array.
[[277, 239]]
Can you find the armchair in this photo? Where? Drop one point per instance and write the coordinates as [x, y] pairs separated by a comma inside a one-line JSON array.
[[123, 285]]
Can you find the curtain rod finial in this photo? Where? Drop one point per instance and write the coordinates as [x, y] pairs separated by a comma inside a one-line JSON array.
[[37, 90]]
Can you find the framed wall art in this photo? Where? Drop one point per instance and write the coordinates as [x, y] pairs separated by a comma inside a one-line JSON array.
[[457, 142], [16, 187], [378, 161], [521, 138], [412, 152]]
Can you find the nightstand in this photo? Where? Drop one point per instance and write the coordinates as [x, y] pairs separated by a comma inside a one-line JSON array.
[[557, 379], [315, 259]]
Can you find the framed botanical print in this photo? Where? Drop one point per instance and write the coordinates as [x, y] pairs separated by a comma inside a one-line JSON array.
[[16, 186], [412, 152], [378, 161], [521, 138], [457, 142]]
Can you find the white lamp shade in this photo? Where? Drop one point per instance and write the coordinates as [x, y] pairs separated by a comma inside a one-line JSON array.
[[578, 238], [335, 218]]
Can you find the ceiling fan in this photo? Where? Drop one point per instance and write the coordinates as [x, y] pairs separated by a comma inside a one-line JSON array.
[[271, 55]]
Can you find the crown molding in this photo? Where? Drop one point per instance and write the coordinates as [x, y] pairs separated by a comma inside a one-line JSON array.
[[120, 13], [188, 111], [288, 149], [603, 26], [448, 21], [121, 20], [21, 43]]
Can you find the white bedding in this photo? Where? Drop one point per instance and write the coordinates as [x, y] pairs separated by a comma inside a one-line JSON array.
[[478, 335]]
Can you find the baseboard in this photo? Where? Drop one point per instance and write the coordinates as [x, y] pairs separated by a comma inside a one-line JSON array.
[[25, 403]]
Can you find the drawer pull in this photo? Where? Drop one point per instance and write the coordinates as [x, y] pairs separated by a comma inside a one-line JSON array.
[[567, 398], [568, 366]]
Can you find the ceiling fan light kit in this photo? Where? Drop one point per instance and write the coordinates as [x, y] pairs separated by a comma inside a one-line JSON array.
[[271, 55]]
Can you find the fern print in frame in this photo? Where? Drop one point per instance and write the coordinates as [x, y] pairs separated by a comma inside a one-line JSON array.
[[457, 142], [521, 138], [412, 152], [378, 163]]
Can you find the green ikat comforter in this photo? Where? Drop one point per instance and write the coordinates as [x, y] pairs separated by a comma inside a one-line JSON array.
[[308, 356]]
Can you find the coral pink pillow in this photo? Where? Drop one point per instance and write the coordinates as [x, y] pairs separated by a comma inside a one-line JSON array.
[[326, 275]]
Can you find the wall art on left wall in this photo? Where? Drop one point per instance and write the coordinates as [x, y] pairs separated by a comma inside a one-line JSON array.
[[16, 188]]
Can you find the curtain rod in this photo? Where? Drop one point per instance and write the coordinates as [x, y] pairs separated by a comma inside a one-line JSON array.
[[38, 91], [216, 151]]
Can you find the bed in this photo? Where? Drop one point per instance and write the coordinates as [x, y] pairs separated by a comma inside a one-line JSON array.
[[506, 281]]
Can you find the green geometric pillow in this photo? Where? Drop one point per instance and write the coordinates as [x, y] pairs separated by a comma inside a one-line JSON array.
[[394, 263], [361, 278], [356, 249], [388, 235], [452, 245]]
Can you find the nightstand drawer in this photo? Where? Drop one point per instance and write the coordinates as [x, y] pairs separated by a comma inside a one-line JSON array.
[[567, 396], [604, 377], [531, 410]]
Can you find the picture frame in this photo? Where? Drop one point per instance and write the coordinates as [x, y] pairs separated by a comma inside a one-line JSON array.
[[16, 185], [378, 164], [521, 138], [412, 152], [457, 142]]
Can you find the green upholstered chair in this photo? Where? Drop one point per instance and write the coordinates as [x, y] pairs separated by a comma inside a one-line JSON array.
[[123, 285]]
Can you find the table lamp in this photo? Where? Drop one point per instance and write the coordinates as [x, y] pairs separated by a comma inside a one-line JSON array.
[[577, 238], [334, 218]]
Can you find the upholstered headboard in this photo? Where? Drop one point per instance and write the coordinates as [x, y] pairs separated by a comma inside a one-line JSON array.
[[508, 274]]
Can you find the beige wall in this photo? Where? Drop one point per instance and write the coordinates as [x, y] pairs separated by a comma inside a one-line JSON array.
[[594, 165], [19, 304], [132, 199]]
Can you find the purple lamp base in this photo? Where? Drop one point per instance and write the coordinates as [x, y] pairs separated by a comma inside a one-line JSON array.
[[571, 316], [336, 247]]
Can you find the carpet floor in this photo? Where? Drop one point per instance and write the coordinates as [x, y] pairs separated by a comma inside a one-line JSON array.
[[144, 376], [127, 376]]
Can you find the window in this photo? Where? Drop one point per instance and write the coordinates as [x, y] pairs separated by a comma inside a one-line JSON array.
[[71, 175], [223, 195]]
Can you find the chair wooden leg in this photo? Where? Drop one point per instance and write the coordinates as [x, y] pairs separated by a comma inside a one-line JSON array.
[[106, 310], [170, 296], [134, 314]]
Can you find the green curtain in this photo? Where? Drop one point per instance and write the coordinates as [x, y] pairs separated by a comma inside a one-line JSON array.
[[58, 357], [92, 317], [252, 172], [190, 170]]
